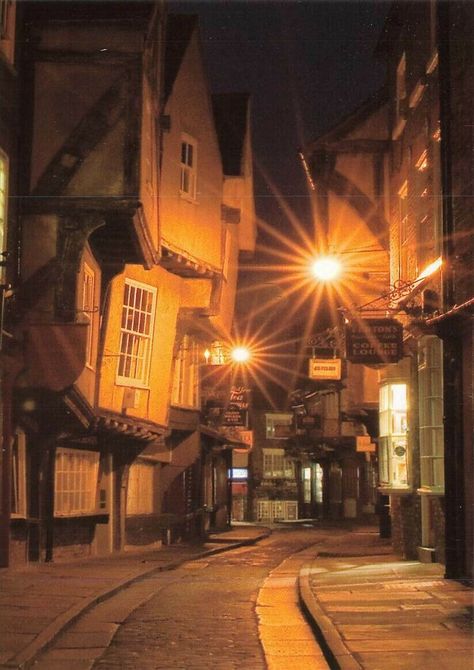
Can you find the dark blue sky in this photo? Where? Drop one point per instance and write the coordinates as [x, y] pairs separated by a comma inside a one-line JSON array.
[[306, 64]]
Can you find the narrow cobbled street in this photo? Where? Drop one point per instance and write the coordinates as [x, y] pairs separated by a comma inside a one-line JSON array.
[[205, 614]]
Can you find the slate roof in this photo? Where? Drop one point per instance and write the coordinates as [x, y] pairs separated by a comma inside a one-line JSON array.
[[230, 114]]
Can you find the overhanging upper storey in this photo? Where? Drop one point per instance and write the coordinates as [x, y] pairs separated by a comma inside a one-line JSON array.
[[92, 97]]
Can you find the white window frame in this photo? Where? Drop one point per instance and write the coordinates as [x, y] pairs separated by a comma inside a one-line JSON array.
[[136, 335], [188, 167], [140, 491], [76, 482], [276, 465], [88, 308], [18, 487], [273, 420], [185, 389], [393, 443], [430, 404]]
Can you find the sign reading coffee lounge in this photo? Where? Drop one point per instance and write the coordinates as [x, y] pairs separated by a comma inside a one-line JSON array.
[[374, 341]]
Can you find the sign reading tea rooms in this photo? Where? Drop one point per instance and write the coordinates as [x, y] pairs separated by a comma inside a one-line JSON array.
[[370, 341]]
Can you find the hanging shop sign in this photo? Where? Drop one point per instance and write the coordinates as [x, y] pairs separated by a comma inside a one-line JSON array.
[[236, 412], [364, 444], [372, 341], [325, 368]]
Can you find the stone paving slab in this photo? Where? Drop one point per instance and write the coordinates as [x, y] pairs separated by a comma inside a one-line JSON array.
[[416, 661], [380, 613]]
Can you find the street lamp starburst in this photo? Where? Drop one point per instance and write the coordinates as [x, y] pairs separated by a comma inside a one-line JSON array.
[[240, 354], [326, 268]]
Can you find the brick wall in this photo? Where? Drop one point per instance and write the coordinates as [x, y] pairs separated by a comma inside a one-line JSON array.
[[73, 538], [438, 519], [406, 525], [461, 81]]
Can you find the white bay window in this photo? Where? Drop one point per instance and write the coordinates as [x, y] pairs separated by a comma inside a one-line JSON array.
[[430, 394], [393, 453]]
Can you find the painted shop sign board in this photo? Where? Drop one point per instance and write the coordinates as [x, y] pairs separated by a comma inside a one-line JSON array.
[[372, 341], [325, 368]]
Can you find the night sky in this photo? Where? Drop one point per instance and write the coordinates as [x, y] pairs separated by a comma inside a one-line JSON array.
[[306, 65]]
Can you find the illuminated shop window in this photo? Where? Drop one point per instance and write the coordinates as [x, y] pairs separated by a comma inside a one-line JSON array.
[[430, 396], [276, 466], [238, 474], [306, 472], [318, 476], [393, 463], [76, 480]]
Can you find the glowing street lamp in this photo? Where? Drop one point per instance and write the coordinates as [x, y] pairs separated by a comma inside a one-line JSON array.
[[326, 268], [240, 354], [219, 354]]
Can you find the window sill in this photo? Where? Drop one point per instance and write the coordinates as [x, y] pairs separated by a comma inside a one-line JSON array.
[[187, 197], [424, 491], [81, 515], [393, 490], [133, 384]]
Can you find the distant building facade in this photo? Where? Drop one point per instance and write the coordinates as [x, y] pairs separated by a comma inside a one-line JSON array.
[[336, 427]]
